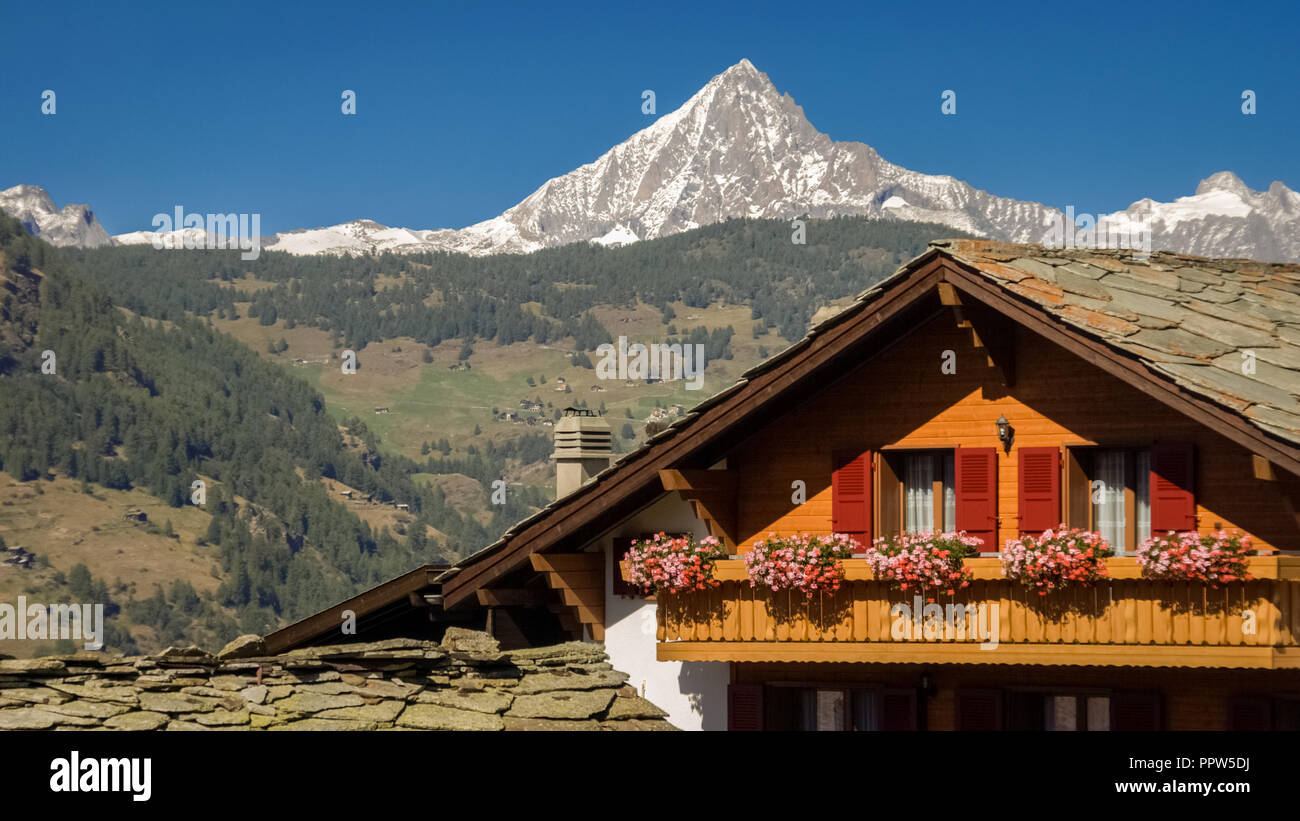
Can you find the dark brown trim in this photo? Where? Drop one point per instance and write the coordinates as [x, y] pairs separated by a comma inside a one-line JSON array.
[[330, 619]]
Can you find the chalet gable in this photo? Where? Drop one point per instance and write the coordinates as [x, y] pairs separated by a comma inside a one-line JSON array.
[[1177, 327], [1225, 330]]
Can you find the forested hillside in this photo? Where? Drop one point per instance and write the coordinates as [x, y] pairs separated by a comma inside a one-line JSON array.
[[135, 402], [432, 297], [143, 392]]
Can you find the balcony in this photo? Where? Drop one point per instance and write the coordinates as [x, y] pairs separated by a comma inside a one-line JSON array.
[[1125, 620]]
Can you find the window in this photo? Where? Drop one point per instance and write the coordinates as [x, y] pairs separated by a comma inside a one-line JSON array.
[[1264, 713], [937, 490], [1109, 491], [1057, 711], [925, 491], [817, 708], [1061, 709]]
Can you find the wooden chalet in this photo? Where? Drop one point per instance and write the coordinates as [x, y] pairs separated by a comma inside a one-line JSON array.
[[985, 387]]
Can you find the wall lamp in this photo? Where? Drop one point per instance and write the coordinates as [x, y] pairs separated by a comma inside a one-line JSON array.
[[1006, 433]]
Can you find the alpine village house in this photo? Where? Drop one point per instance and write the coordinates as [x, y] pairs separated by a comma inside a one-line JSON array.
[[990, 388]]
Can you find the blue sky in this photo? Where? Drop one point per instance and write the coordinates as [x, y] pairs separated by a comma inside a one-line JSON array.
[[465, 109]]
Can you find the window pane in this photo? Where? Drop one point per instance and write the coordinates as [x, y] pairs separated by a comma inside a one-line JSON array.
[[807, 710], [949, 493], [830, 709], [1061, 712], [918, 491], [1108, 496], [1098, 713], [1142, 491], [866, 710]]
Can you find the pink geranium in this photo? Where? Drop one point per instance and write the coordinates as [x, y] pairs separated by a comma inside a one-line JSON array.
[[926, 562], [1216, 558], [1057, 559], [673, 565], [810, 564]]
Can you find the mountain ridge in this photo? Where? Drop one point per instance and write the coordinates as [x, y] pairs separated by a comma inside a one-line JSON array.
[[741, 148]]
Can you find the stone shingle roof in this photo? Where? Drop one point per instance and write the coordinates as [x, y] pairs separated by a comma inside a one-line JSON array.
[[463, 683], [1201, 322]]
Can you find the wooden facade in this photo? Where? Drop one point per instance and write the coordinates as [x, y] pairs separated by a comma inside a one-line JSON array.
[[889, 414], [941, 388], [901, 400], [1124, 620]]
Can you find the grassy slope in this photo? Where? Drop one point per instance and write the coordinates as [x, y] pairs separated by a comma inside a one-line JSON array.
[[67, 527], [428, 402]]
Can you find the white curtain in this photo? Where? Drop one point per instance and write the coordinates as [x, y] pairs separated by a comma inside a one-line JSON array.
[[949, 494], [1142, 490], [1108, 497], [918, 486]]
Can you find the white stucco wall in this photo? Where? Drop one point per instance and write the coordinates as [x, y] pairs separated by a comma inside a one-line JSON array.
[[694, 693]]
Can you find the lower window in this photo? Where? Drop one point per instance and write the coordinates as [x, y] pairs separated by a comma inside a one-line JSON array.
[[1055, 711], [831, 708]]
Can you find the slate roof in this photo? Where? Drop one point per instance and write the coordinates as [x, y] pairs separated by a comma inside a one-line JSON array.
[[1194, 319]]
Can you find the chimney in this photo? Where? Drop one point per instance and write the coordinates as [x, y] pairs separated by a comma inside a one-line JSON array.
[[583, 446]]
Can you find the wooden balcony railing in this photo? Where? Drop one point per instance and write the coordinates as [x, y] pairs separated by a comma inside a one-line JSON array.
[[1124, 620]]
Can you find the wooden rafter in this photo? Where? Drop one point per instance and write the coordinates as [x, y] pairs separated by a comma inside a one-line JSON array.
[[990, 332], [579, 578], [712, 494], [521, 597]]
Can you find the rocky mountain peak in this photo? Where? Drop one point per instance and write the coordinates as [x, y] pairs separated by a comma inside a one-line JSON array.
[[72, 225]]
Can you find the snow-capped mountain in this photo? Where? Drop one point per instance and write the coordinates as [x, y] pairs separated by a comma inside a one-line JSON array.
[[737, 148], [740, 148], [74, 225], [1224, 218], [180, 238]]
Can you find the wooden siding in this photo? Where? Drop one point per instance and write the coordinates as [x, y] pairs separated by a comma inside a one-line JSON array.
[[900, 399], [1124, 620]]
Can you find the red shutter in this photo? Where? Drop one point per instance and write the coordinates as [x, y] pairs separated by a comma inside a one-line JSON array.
[[744, 707], [977, 494], [1250, 714], [1135, 711], [851, 496], [1040, 488], [979, 710], [1173, 503], [898, 710]]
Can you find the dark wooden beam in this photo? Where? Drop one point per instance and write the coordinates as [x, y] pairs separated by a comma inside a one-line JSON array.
[[517, 597], [329, 620], [713, 497], [579, 578], [1262, 468], [995, 334]]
